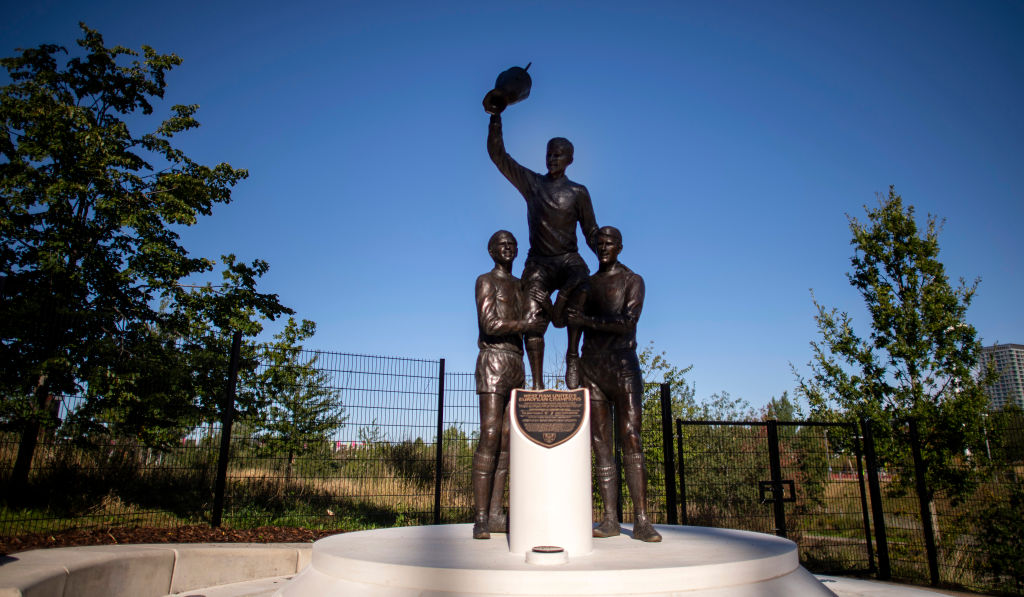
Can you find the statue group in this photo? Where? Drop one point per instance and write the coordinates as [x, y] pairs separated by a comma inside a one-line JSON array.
[[599, 310]]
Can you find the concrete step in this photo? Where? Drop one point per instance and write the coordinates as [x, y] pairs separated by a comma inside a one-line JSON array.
[[145, 570]]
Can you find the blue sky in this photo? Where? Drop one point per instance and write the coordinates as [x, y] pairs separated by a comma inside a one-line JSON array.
[[727, 140]]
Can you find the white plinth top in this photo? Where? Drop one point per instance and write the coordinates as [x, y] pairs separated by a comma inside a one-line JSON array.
[[446, 560]]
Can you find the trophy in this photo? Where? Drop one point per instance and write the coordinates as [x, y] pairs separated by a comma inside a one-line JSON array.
[[512, 86]]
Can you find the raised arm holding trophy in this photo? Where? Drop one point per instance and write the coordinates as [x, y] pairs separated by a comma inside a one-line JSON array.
[[554, 206]]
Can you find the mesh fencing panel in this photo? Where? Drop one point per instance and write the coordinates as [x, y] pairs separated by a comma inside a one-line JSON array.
[[347, 441], [726, 471], [109, 482], [828, 518], [976, 525], [375, 468]]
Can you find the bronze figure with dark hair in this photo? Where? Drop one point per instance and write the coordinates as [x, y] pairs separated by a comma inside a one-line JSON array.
[[611, 304], [499, 369], [554, 206]]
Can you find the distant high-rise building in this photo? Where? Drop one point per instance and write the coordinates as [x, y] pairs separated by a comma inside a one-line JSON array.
[[1009, 362]]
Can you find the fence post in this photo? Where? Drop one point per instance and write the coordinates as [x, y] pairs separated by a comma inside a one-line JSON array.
[[878, 515], [439, 457], [775, 465], [682, 473], [859, 450], [227, 417], [668, 456], [925, 500]]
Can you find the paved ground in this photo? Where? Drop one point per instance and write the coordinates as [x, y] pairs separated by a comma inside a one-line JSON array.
[[283, 559], [842, 587], [857, 587]]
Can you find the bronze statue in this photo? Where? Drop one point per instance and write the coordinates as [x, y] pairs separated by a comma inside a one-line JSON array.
[[499, 369], [554, 205], [609, 368]]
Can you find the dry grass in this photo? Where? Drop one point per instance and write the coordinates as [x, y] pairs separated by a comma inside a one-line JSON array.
[[385, 488]]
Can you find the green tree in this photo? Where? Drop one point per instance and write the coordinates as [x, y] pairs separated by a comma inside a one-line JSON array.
[[207, 316], [656, 370], [920, 356], [1004, 436], [721, 406], [372, 434], [783, 408], [722, 464], [805, 450], [302, 408], [702, 484], [999, 525], [87, 233], [997, 522], [174, 375]]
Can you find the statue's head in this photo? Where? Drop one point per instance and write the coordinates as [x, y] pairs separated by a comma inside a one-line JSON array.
[[608, 244], [560, 152], [503, 247]]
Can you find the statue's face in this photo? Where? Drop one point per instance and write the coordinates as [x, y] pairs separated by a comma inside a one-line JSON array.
[[559, 157], [505, 249], [608, 249]]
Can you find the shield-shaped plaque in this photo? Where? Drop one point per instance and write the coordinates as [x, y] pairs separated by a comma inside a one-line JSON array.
[[549, 417]]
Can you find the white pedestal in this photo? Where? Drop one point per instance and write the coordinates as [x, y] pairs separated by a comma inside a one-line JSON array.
[[550, 500], [446, 561]]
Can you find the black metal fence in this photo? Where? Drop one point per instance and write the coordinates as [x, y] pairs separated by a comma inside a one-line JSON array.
[[784, 478], [376, 467], [380, 465], [401, 452], [968, 534], [822, 485]]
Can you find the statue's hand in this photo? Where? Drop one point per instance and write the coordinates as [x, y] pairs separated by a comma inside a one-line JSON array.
[[575, 317], [495, 102], [539, 295]]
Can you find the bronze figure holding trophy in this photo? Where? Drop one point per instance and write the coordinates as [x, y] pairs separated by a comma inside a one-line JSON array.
[[601, 310], [554, 206]]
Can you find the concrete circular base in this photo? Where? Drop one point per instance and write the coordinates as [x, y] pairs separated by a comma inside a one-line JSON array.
[[446, 560]]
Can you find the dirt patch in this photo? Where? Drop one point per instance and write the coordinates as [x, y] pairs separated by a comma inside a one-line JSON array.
[[185, 534]]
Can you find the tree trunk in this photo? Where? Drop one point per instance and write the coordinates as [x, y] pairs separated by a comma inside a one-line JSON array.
[[18, 487], [23, 463]]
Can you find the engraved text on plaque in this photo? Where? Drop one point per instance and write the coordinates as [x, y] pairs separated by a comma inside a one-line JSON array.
[[549, 417]]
